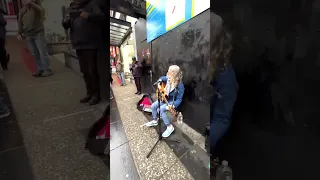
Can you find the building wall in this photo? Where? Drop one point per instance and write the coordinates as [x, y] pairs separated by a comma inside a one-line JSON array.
[[54, 16], [127, 52], [275, 129], [188, 47]]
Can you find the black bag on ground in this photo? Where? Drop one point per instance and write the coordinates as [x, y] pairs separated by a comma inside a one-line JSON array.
[[144, 104], [98, 141]]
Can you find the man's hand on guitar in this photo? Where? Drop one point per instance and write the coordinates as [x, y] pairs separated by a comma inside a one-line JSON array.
[[159, 86], [169, 107]]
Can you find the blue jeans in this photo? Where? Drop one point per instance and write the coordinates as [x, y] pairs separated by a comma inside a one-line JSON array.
[[39, 50], [122, 79], [163, 110]]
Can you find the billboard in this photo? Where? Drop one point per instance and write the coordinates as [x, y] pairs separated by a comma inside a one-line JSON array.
[[164, 15]]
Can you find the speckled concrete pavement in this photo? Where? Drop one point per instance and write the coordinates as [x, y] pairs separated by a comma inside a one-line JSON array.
[[163, 164], [52, 121]]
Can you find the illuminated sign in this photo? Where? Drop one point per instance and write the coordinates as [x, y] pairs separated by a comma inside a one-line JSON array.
[[165, 15]]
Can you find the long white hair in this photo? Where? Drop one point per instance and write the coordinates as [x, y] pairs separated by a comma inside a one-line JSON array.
[[176, 76]]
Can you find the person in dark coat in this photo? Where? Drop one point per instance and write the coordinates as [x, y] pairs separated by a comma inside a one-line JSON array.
[[224, 81], [84, 19], [136, 69], [4, 57]]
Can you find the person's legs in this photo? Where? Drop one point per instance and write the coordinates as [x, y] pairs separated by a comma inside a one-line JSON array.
[[136, 81], [164, 117], [154, 108], [123, 80], [94, 76], [155, 111], [83, 62], [119, 76], [3, 54], [35, 52], [44, 55], [4, 110], [138, 84], [111, 96]]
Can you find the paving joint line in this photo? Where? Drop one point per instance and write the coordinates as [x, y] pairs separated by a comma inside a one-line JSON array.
[[68, 115], [121, 144], [11, 149]]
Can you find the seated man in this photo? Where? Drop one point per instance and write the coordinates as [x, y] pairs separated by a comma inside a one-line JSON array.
[[174, 89]]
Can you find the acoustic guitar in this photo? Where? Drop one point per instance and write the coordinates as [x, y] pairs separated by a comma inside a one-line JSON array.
[[164, 98]]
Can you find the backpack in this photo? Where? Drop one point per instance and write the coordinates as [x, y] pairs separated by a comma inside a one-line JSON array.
[[98, 140], [144, 104]]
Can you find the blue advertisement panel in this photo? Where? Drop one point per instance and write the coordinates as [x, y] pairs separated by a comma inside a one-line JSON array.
[[164, 15]]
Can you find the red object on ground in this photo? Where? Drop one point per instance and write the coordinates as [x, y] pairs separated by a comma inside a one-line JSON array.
[[105, 131], [116, 78], [28, 59], [146, 102]]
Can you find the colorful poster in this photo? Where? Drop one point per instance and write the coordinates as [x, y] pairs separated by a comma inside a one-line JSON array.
[[175, 13], [165, 15]]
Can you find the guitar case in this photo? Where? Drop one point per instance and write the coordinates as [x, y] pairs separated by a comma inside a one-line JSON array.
[[144, 104], [99, 135]]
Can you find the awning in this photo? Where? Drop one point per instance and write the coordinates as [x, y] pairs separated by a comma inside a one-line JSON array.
[[120, 27]]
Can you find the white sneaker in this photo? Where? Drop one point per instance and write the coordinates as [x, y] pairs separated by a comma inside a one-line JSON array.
[[152, 123], [168, 131]]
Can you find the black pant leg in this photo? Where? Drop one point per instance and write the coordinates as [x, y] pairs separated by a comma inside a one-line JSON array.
[[3, 53], [93, 71], [138, 83], [83, 62]]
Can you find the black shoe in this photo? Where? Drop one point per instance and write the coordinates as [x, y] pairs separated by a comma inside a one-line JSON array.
[[37, 74], [4, 113], [94, 100], [86, 99], [137, 93]]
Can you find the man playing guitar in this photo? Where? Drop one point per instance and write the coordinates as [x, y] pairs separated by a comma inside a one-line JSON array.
[[173, 92]]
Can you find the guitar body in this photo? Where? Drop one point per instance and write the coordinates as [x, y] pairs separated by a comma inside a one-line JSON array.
[[164, 97], [162, 90]]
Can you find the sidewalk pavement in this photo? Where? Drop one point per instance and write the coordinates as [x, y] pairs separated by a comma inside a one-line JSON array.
[[53, 123], [163, 164]]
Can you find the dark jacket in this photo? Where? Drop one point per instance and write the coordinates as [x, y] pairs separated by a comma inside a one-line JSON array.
[[136, 69], [176, 95], [3, 24], [103, 4], [85, 33], [226, 88]]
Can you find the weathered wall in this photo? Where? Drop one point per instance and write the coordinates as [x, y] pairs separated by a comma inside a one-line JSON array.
[[188, 47], [53, 27], [141, 47], [275, 130]]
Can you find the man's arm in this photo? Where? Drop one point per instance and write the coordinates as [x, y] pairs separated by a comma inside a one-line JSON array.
[[96, 13], [66, 22], [179, 97], [20, 31], [36, 6]]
